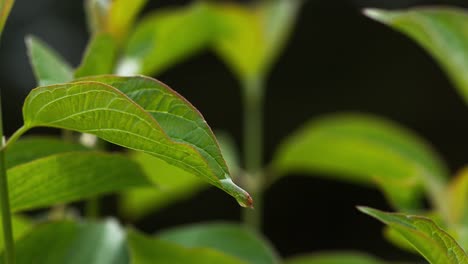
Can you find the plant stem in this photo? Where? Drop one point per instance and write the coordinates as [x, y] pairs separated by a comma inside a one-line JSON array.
[[253, 148], [5, 202]]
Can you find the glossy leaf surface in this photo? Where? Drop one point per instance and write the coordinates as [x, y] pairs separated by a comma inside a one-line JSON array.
[[334, 258], [99, 57], [365, 149], [69, 177], [5, 8], [442, 31], [74, 243], [166, 37], [48, 66], [30, 148], [424, 235], [231, 239], [148, 251], [171, 185], [138, 113], [249, 38]]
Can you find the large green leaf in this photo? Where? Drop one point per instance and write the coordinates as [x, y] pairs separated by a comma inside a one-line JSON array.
[[442, 31], [138, 113], [69, 177], [457, 198], [366, 149], [334, 258], [231, 239], [31, 148], [145, 250], [74, 243], [5, 8], [99, 57], [48, 67], [21, 226], [424, 235], [249, 38], [166, 37], [173, 184]]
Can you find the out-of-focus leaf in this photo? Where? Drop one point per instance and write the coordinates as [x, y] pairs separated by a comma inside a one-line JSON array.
[[99, 57], [249, 38], [442, 31], [424, 235], [458, 204], [69, 177], [334, 258], [231, 239], [5, 8], [74, 243], [31, 148], [145, 250], [172, 185], [366, 149], [113, 17], [138, 113], [166, 37], [21, 226], [398, 240], [48, 66], [229, 150]]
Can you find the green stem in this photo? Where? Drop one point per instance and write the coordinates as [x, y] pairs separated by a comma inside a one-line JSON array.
[[5, 202], [253, 148]]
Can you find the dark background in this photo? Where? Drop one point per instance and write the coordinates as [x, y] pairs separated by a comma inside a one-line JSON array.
[[337, 60]]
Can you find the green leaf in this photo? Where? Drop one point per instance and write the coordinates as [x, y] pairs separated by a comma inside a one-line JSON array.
[[5, 8], [69, 177], [172, 185], [99, 57], [334, 258], [442, 31], [425, 236], [229, 150], [138, 113], [21, 226], [144, 250], [231, 239], [48, 67], [457, 198], [369, 150], [31, 148], [398, 240], [251, 37], [74, 243], [165, 38]]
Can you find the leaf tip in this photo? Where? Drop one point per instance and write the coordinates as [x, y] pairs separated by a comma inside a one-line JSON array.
[[375, 14], [243, 198]]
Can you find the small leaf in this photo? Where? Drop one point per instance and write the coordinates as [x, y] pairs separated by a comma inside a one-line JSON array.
[[173, 184], [5, 8], [425, 236], [74, 243], [369, 150], [441, 31], [251, 37], [31, 148], [21, 226], [138, 113], [165, 38], [334, 258], [231, 239], [144, 250], [48, 67], [457, 199], [99, 57], [70, 177]]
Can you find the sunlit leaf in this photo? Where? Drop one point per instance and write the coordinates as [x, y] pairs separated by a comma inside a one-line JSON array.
[[138, 113], [99, 58], [69, 177], [424, 235], [442, 31], [250, 37], [166, 37], [30, 148], [5, 8], [457, 198], [21, 226], [172, 185], [369, 150], [231, 239], [145, 250], [48, 66], [74, 243], [334, 258]]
